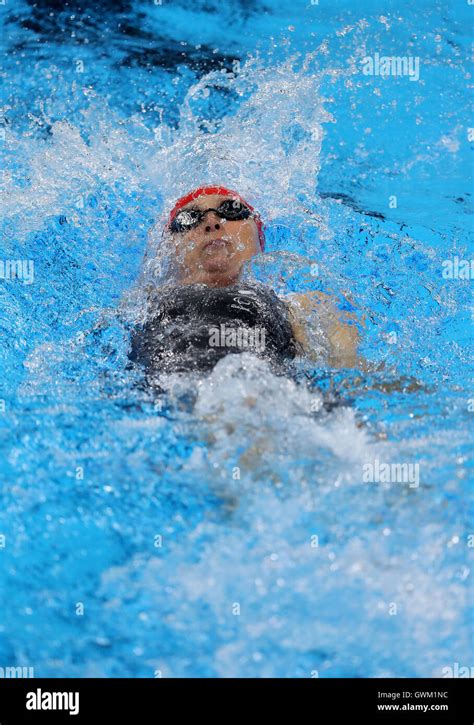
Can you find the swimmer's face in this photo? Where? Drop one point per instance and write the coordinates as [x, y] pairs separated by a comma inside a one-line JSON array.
[[214, 251]]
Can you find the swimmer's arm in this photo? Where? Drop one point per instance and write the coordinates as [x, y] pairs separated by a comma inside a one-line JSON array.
[[340, 328]]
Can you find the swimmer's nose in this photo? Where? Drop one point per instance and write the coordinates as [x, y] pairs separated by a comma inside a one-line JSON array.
[[209, 228], [212, 221]]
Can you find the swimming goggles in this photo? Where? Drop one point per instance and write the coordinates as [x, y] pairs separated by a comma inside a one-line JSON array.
[[230, 209]]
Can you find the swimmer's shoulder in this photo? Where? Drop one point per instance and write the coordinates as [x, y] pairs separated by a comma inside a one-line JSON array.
[[307, 301], [338, 324]]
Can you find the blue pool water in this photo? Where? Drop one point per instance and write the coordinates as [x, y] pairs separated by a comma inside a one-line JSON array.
[[130, 545]]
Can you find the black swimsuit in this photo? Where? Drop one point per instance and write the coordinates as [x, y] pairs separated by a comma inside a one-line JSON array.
[[190, 328]]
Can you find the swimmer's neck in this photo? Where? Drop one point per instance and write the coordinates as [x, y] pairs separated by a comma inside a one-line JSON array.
[[210, 280]]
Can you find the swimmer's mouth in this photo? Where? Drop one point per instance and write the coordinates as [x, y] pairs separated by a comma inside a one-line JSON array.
[[214, 245]]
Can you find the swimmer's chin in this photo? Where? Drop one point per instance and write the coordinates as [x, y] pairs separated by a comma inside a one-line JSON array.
[[219, 260], [217, 266]]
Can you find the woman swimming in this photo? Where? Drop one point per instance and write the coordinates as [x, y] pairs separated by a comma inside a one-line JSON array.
[[208, 312]]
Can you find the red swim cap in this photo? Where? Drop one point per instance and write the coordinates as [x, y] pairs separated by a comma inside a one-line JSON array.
[[207, 191]]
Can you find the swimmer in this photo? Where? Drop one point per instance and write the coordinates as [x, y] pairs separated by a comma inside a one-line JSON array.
[[208, 312]]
